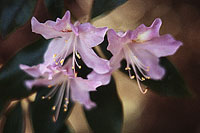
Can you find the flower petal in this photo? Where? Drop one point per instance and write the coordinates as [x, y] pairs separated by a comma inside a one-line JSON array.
[[161, 46], [117, 40], [37, 82], [58, 47], [80, 91], [149, 60], [45, 29], [92, 60], [34, 71], [143, 33], [65, 24], [91, 35], [103, 78]]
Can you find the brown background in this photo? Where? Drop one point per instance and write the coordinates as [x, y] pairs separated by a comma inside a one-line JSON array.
[[148, 113]]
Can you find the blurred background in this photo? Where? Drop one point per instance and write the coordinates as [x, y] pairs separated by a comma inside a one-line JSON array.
[[151, 113]]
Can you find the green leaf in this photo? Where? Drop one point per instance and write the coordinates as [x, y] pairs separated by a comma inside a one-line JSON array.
[[55, 7], [12, 78], [172, 83], [15, 120], [14, 13], [107, 117], [42, 113], [104, 6]]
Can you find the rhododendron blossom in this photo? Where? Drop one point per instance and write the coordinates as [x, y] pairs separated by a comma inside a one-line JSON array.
[[72, 38], [142, 48], [62, 81]]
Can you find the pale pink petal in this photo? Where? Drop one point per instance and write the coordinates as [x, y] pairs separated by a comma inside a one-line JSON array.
[[92, 60], [65, 25], [103, 78], [160, 46], [115, 43], [149, 60], [45, 29], [90, 35], [33, 71], [143, 33], [37, 82], [115, 61], [117, 40], [45, 81], [80, 91], [58, 47]]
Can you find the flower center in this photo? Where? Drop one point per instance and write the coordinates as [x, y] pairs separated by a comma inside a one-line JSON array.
[[62, 92], [137, 66]]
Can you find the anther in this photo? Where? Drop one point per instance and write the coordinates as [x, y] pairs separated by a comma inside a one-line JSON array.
[[73, 68], [65, 105], [61, 62], [43, 97], [49, 86], [65, 109], [79, 67], [54, 108], [54, 55], [78, 55], [143, 78], [132, 77], [127, 68], [49, 97], [148, 77], [65, 41], [66, 99], [56, 63]]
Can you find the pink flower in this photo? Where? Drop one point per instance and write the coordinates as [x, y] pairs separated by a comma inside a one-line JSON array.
[[141, 48], [62, 81], [72, 38]]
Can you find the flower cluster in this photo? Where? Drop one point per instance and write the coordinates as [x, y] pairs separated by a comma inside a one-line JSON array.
[[141, 48]]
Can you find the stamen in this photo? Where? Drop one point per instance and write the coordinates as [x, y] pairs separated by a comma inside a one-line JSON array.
[[54, 108], [147, 77], [75, 75], [49, 86], [127, 68], [132, 77], [66, 41], [143, 78], [65, 109], [43, 97], [49, 98], [79, 57], [54, 56], [61, 62], [54, 119], [72, 68]]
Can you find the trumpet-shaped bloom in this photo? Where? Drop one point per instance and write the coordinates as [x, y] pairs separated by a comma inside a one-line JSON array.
[[142, 48], [72, 38], [62, 81]]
